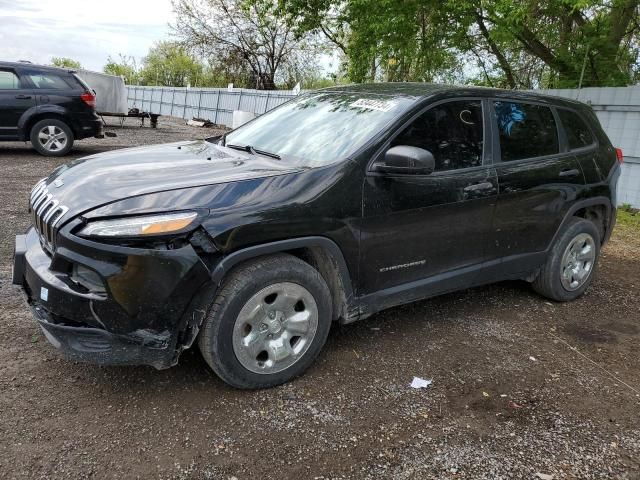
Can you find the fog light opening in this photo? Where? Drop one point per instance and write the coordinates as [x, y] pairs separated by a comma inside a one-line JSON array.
[[87, 279]]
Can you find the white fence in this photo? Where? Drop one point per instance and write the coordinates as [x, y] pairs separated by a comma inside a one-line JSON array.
[[617, 108], [214, 104]]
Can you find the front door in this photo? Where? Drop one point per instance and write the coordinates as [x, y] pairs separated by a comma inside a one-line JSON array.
[[15, 99], [425, 234]]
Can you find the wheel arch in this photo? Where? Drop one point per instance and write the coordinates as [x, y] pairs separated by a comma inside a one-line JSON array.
[[321, 253], [57, 114], [586, 209]]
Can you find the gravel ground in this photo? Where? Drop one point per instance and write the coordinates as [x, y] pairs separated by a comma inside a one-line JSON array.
[[522, 387]]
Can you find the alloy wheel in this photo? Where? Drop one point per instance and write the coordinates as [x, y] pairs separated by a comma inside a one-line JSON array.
[[52, 138], [275, 328], [577, 261]]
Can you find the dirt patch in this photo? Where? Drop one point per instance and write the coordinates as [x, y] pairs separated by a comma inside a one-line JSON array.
[[520, 385], [588, 334], [622, 327]]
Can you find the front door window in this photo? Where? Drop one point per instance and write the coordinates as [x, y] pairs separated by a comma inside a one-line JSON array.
[[9, 80], [453, 132]]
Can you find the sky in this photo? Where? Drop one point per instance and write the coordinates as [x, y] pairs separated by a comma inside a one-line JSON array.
[[85, 30]]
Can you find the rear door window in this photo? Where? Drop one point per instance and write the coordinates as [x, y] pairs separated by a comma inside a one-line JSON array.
[[453, 132], [9, 80], [578, 133], [525, 130], [50, 81]]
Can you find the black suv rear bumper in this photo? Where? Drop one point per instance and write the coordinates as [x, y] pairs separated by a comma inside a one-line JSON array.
[[142, 318], [87, 125]]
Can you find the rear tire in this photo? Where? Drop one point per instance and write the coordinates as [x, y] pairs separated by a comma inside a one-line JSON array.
[[572, 262], [268, 322], [51, 137]]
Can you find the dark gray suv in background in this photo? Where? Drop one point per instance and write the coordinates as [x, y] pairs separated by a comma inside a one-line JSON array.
[[50, 107]]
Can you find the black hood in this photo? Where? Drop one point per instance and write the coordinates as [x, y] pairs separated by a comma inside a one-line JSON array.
[[93, 181]]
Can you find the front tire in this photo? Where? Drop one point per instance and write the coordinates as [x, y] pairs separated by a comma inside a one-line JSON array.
[[268, 322], [51, 137], [572, 262]]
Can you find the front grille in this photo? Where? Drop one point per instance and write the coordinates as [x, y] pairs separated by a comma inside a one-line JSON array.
[[47, 213]]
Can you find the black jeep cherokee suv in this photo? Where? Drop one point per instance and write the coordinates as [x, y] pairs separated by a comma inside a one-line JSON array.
[[50, 107], [334, 206]]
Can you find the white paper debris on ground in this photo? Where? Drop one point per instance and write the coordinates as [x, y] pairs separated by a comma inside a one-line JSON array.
[[532, 358], [420, 382], [544, 476]]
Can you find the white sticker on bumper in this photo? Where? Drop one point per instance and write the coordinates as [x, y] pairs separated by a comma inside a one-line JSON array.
[[44, 294]]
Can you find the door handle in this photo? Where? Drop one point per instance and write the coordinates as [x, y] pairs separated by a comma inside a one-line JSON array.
[[574, 172], [478, 187], [23, 97]]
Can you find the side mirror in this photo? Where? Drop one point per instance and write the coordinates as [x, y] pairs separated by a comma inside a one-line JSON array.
[[403, 159]]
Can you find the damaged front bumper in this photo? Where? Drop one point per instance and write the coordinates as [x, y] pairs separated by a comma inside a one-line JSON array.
[[141, 307], [96, 345]]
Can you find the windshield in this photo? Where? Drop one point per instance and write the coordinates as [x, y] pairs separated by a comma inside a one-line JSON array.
[[319, 128]]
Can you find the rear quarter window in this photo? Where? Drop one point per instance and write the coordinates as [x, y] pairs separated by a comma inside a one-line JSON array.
[[525, 130], [578, 133]]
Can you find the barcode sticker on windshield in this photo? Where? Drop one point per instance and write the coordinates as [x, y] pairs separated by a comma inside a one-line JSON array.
[[379, 105]]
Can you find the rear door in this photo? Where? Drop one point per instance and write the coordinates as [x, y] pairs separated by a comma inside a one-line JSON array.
[[57, 88], [538, 177], [15, 98], [429, 232]]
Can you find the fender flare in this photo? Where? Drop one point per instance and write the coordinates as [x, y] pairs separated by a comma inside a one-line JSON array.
[[588, 202], [39, 110], [234, 258], [25, 118]]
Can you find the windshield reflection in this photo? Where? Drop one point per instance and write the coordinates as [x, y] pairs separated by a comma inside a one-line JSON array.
[[320, 128]]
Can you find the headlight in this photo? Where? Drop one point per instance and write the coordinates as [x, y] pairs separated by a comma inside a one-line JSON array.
[[139, 226]]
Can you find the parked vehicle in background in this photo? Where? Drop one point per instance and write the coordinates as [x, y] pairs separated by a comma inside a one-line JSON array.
[[48, 106], [331, 207]]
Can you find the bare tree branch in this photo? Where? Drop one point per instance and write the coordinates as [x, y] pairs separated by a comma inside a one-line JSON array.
[[255, 33]]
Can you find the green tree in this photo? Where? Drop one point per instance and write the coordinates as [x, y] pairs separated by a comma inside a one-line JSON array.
[[556, 39], [252, 37], [381, 39], [500, 42], [403, 41], [169, 64], [64, 62], [125, 67], [229, 67]]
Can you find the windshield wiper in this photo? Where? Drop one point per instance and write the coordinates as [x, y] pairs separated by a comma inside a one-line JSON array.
[[253, 151]]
